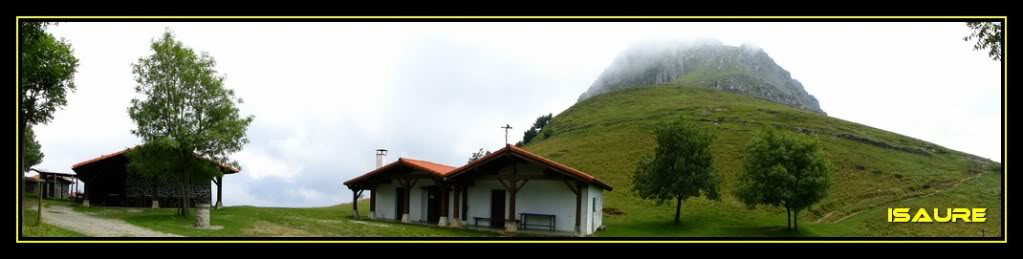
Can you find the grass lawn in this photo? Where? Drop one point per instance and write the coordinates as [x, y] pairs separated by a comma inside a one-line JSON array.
[[249, 221]]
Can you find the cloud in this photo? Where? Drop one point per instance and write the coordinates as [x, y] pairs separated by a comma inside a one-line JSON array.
[[257, 164]]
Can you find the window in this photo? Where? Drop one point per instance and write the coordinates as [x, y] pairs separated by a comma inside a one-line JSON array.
[[594, 204]]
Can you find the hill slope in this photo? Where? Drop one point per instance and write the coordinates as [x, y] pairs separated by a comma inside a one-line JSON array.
[[873, 169]]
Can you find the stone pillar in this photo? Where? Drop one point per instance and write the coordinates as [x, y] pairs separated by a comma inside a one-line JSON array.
[[511, 225], [156, 204], [202, 215]]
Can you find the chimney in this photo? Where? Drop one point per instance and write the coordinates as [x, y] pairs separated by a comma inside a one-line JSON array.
[[381, 153]]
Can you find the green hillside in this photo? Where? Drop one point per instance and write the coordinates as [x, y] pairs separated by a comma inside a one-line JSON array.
[[872, 169]]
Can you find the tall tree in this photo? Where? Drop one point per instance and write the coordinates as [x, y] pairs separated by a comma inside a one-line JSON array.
[[783, 170], [681, 167], [185, 115], [989, 36], [45, 77]]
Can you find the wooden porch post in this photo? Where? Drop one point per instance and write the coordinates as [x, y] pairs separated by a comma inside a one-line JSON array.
[[443, 220], [220, 188], [513, 185], [85, 192], [577, 190], [405, 208], [356, 192], [407, 182], [456, 219]]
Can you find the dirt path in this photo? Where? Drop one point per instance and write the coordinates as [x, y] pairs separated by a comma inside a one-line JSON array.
[[66, 218]]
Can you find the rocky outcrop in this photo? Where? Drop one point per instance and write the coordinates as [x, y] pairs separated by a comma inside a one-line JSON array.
[[745, 70]]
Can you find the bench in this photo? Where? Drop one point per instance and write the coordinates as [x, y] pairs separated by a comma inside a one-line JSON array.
[[476, 220], [548, 224]]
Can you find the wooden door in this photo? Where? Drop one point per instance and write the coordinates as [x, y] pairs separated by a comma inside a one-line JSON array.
[[497, 208]]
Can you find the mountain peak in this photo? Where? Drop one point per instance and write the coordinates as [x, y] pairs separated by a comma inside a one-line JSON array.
[[708, 63]]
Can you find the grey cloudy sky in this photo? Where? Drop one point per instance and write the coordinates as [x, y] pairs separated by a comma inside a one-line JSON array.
[[325, 95]]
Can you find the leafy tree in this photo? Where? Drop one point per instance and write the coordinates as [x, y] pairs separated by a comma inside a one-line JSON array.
[[33, 151], [783, 170], [45, 76], [533, 131], [186, 117], [989, 36], [478, 154], [681, 167]]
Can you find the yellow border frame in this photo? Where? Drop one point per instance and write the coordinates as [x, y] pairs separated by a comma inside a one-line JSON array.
[[1004, 128]]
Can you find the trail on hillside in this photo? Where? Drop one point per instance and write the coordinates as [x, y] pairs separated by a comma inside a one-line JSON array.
[[912, 196], [65, 217]]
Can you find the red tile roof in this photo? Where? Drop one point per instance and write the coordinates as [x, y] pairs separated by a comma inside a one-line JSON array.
[[449, 172], [427, 166], [526, 154], [424, 166], [103, 157]]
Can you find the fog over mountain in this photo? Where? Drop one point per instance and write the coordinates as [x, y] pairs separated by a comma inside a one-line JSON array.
[[703, 63]]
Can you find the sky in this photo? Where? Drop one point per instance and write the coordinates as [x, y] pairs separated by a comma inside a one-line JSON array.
[[326, 95]]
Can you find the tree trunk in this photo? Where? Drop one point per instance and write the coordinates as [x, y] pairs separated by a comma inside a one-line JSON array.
[[181, 192], [39, 208], [22, 123], [795, 221], [188, 194], [788, 218], [678, 209]]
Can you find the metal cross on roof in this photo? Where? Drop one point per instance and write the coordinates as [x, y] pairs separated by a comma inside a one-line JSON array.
[[506, 128]]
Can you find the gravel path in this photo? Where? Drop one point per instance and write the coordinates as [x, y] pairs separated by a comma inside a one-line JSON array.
[[66, 218]]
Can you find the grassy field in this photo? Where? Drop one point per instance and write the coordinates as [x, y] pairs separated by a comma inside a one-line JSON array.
[[606, 135], [249, 221]]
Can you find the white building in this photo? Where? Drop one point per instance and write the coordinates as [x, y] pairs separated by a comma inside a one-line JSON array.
[[509, 188]]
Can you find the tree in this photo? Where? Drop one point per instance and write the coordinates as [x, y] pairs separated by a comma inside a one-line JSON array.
[[681, 167], [533, 131], [989, 36], [33, 151], [783, 170], [478, 154], [45, 77], [185, 115]]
